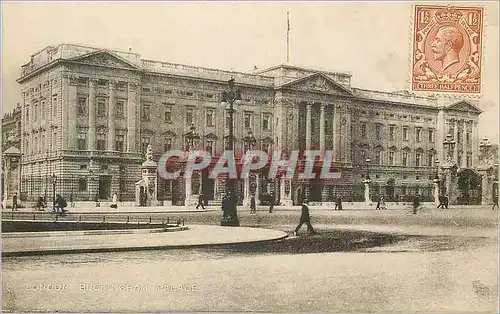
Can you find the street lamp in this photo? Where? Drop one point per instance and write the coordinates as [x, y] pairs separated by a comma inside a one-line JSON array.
[[231, 96], [54, 180], [367, 168], [449, 145]]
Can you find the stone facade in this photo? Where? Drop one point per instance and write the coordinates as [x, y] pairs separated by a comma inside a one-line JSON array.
[[88, 116]]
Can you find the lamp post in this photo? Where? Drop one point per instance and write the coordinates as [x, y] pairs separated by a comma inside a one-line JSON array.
[[191, 137], [367, 168], [230, 97], [367, 182], [249, 143], [54, 181]]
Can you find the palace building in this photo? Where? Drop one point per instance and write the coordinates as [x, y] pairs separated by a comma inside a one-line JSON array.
[[89, 114]]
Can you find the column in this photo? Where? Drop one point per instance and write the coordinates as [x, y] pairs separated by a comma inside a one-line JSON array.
[[308, 127], [111, 117], [65, 106], [131, 117], [464, 144], [455, 138], [347, 137], [189, 192], [440, 134], [334, 133], [475, 145], [91, 135], [322, 129], [72, 103], [246, 191]]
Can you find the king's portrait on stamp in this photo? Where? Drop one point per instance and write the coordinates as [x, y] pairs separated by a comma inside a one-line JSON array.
[[447, 51]]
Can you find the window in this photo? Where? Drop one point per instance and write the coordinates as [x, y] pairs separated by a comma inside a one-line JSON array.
[[102, 83], [120, 109], [82, 184], [189, 116], [81, 140], [168, 144], [145, 141], [418, 137], [146, 89], [101, 107], [35, 145], [459, 159], [405, 159], [430, 160], [431, 135], [119, 143], [54, 141], [54, 105], [418, 157], [35, 109], [42, 109], [266, 122], [363, 130], [392, 131], [167, 118], [378, 155], [82, 106], [363, 154], [266, 146], [248, 120], [378, 129], [467, 138], [459, 137], [405, 133], [101, 141], [146, 112], [469, 160], [27, 114], [210, 146], [82, 81], [210, 117]]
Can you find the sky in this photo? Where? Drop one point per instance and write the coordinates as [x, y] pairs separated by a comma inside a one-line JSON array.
[[372, 41]]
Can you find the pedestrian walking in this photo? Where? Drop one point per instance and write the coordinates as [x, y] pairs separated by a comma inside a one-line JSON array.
[[381, 204], [14, 202], [441, 201], [338, 202], [114, 203], [40, 204], [446, 201], [200, 202], [225, 207], [305, 218], [1, 203], [272, 200], [253, 209], [415, 203], [61, 204], [495, 202]]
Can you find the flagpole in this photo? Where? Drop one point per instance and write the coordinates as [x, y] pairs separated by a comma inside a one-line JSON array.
[[287, 37]]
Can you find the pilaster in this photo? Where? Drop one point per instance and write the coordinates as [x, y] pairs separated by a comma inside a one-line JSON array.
[[131, 117], [92, 114], [72, 103], [111, 117]]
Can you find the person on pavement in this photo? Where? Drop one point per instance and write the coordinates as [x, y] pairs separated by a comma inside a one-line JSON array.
[[415, 203], [305, 218], [338, 202], [272, 200], [200, 202], [114, 203], [441, 201], [253, 207], [14, 202], [61, 204], [381, 204]]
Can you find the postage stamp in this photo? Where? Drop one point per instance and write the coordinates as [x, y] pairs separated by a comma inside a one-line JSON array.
[[447, 50]]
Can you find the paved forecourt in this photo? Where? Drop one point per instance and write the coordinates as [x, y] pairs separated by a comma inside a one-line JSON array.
[[28, 243]]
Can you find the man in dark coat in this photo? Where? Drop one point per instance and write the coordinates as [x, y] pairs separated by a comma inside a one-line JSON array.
[[441, 201], [200, 202], [272, 200], [415, 203], [338, 202], [61, 204], [252, 205], [305, 218], [225, 207], [14, 202], [446, 202]]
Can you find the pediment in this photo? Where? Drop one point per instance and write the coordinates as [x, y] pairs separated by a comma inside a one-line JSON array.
[[318, 82], [464, 105], [105, 58], [211, 136], [169, 134]]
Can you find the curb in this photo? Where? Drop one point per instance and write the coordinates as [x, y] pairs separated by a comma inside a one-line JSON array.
[[90, 232]]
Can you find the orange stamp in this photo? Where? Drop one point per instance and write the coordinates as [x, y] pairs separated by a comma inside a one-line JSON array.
[[447, 50]]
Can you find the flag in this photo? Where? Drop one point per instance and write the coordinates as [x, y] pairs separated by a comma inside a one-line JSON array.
[[287, 22]]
